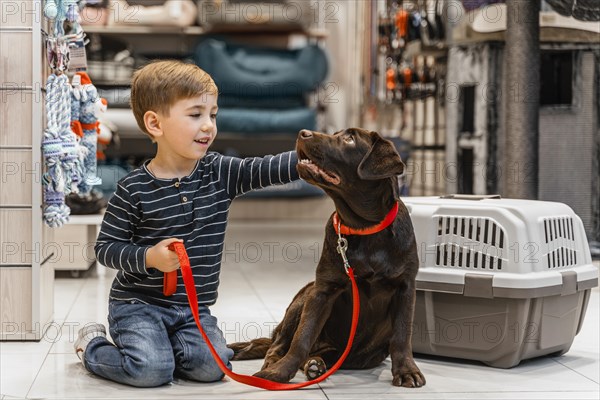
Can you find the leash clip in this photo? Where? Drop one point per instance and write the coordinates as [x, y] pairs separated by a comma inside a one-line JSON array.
[[342, 246]]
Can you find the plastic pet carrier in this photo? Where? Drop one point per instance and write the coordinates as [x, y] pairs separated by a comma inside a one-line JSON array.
[[500, 280]]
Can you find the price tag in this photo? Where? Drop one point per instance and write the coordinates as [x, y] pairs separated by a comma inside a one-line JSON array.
[[78, 58]]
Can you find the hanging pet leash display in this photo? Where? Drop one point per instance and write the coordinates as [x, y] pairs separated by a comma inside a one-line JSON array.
[[404, 27], [170, 286]]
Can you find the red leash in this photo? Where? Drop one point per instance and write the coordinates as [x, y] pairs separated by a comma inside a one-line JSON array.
[[170, 280], [170, 285]]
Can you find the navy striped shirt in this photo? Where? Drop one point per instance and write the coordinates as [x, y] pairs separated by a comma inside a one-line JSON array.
[[145, 210]]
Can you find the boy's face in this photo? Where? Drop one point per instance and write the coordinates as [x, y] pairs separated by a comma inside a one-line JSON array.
[[191, 126]]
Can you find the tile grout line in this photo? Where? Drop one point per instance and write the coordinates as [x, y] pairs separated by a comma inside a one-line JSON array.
[[256, 293], [37, 374], [53, 344], [79, 291], [577, 372], [323, 390], [482, 392], [269, 311]]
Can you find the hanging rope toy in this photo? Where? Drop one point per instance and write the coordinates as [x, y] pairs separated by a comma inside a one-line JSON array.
[[58, 54], [50, 9], [61, 151], [55, 181], [85, 106], [106, 131], [61, 11]]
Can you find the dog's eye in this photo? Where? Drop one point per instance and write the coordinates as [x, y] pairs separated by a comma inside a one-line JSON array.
[[349, 139]]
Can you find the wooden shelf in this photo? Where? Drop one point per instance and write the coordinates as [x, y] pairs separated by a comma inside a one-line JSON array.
[[159, 40], [315, 33], [143, 30]]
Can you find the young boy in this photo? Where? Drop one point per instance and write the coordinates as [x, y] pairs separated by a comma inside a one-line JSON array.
[[182, 194]]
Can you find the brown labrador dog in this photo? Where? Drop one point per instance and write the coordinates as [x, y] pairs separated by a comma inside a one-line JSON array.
[[358, 169]]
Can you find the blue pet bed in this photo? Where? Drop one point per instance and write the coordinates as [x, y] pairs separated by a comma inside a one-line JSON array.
[[262, 72], [293, 190], [278, 103], [241, 120]]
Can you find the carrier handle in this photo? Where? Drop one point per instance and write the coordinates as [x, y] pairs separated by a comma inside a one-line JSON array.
[[471, 196]]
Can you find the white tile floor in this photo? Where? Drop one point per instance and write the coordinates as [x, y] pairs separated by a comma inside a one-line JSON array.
[[264, 266]]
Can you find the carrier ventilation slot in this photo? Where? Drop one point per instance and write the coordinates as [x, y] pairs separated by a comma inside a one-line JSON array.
[[559, 236], [467, 242]]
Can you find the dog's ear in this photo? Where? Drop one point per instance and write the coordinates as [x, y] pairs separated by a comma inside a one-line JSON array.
[[381, 161]]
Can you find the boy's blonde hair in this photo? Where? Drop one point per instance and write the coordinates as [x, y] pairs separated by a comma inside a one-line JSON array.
[[160, 84]]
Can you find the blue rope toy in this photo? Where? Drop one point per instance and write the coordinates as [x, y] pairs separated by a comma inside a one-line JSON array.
[[59, 148], [61, 11], [85, 106]]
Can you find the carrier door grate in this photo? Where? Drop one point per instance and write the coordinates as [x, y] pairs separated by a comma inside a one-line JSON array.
[[559, 236], [469, 242]]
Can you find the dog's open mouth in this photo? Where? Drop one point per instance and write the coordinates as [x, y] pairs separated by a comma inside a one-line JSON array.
[[307, 164]]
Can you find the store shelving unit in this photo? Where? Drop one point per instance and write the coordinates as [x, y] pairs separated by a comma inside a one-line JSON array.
[[26, 251], [177, 41]]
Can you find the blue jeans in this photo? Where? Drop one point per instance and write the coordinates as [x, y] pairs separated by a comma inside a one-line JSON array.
[[154, 344]]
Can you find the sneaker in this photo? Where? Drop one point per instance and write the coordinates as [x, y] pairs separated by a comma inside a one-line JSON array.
[[86, 334]]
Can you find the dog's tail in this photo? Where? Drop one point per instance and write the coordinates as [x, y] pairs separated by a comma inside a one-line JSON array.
[[254, 349]]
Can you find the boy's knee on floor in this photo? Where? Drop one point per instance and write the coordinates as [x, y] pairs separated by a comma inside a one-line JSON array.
[[207, 373], [151, 377], [149, 372], [207, 370]]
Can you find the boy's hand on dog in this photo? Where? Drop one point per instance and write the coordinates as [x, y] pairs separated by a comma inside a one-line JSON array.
[[160, 257]]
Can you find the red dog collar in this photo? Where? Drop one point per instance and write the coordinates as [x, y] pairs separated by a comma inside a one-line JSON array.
[[387, 221]]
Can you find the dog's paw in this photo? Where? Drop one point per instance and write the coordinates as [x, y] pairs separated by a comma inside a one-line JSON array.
[[409, 379], [237, 346], [274, 375], [406, 373], [314, 367]]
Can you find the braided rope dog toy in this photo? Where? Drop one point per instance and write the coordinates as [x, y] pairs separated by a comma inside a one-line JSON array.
[[63, 155], [58, 159], [85, 105]]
